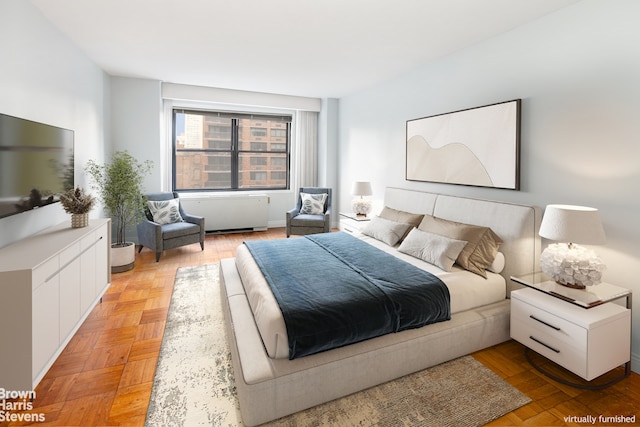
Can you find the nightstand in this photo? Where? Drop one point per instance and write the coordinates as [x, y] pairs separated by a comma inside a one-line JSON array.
[[580, 330], [353, 223]]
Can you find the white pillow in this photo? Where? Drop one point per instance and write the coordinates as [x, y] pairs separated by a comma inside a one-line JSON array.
[[389, 232], [438, 250], [165, 211], [313, 204]]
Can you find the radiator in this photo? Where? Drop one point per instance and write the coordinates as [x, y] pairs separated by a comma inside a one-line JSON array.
[[230, 212]]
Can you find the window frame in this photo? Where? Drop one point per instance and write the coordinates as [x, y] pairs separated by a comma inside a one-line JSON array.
[[235, 150]]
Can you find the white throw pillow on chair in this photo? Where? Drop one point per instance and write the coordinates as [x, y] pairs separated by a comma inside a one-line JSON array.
[[313, 204], [165, 211]]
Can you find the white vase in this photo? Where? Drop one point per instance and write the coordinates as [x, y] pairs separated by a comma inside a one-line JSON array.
[[123, 257]]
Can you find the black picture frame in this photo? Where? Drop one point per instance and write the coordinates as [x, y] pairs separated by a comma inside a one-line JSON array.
[[477, 146]]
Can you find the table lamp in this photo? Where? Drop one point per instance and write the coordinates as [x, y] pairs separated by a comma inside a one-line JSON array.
[[360, 205], [568, 263]]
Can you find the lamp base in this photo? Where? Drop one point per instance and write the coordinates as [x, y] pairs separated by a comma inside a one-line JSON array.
[[571, 285], [361, 206], [574, 267]]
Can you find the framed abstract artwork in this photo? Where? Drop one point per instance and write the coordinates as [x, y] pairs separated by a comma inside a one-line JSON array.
[[478, 147]]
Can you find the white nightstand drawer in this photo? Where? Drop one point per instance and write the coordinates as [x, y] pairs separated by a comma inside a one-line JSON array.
[[548, 326], [351, 223], [349, 226], [551, 346]]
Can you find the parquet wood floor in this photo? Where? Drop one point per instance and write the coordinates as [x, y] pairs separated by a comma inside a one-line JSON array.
[[105, 374]]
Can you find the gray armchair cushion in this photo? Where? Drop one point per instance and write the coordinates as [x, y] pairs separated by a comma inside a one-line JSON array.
[[178, 229], [304, 220]]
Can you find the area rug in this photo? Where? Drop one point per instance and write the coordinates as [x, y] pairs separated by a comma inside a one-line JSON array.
[[194, 383]]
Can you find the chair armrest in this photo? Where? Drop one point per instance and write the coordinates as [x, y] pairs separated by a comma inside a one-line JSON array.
[[194, 219], [327, 215], [293, 213], [327, 220], [149, 233]]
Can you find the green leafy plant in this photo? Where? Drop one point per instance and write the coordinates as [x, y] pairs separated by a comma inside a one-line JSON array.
[[119, 186], [77, 201]]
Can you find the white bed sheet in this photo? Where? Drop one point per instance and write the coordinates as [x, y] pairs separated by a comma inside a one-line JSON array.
[[467, 291]]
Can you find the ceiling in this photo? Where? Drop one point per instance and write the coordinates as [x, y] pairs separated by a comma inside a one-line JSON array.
[[322, 48]]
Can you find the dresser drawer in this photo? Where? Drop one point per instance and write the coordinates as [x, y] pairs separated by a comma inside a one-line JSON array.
[[548, 326], [69, 254], [87, 241], [45, 271]]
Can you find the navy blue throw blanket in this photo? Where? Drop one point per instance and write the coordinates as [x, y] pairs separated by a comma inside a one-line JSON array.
[[334, 289]]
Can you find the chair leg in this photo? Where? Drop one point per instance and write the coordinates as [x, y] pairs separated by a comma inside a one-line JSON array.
[[158, 256], [140, 248], [202, 245]]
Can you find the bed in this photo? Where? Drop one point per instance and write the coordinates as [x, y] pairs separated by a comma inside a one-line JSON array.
[[270, 385]]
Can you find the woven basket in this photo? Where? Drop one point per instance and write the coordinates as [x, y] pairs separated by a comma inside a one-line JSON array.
[[79, 220]]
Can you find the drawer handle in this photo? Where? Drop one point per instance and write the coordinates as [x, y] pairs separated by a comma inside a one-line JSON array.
[[544, 323], [546, 345]]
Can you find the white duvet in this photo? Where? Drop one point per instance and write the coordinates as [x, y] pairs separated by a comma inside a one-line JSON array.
[[467, 290]]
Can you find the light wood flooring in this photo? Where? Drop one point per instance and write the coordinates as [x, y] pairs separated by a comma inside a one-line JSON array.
[[105, 375]]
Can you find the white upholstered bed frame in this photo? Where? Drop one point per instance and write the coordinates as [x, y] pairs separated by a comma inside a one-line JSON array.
[[272, 388]]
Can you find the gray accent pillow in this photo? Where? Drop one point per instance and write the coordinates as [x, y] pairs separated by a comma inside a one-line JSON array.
[[165, 211], [312, 204], [438, 250], [389, 232]]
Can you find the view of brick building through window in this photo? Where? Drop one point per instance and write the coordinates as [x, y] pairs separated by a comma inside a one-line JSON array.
[[223, 152]]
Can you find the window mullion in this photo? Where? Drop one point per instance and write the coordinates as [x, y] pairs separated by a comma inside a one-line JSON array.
[[235, 161]]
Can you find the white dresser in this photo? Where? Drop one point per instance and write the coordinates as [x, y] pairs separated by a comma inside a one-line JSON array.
[[49, 282], [588, 342]]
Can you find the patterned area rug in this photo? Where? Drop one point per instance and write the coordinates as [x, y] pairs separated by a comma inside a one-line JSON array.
[[194, 382]]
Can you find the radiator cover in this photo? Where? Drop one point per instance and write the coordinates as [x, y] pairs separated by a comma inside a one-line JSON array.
[[230, 212]]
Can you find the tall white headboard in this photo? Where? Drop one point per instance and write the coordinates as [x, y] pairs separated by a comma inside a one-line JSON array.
[[517, 225]]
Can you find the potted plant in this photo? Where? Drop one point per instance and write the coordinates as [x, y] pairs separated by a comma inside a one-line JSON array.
[[119, 186], [78, 203]]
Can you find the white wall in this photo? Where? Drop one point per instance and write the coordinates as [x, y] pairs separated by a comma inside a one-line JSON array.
[[45, 78], [136, 123], [577, 74]]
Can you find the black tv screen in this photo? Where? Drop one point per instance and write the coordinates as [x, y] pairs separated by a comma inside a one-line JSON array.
[[36, 164]]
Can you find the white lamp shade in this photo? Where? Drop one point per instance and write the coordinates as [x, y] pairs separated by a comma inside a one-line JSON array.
[[361, 188], [575, 224]]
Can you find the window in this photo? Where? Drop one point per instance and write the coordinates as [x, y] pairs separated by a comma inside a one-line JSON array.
[[230, 151], [258, 161], [278, 133], [259, 132]]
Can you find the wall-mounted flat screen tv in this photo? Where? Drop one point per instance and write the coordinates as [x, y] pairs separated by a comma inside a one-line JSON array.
[[36, 164]]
